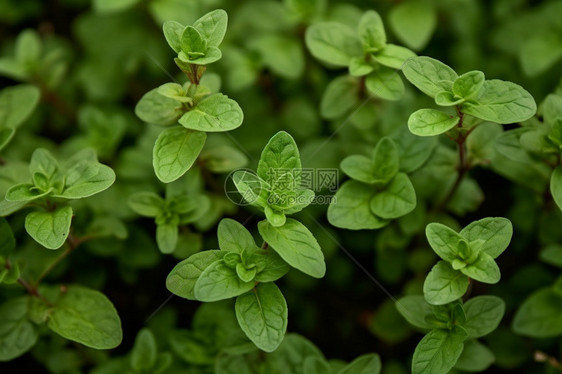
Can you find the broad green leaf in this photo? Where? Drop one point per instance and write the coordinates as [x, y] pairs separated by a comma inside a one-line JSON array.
[[274, 217], [108, 6], [6, 134], [501, 102], [262, 315], [484, 269], [438, 351], [414, 151], [218, 282], [443, 240], [85, 179], [316, 365], [172, 32], [174, 91], [358, 67], [291, 355], [428, 75], [158, 109], [17, 333], [270, 266], [552, 254], [25, 193], [385, 83], [9, 207], [86, 316], [28, 47], [212, 27], [49, 228], [16, 104], [468, 84], [245, 274], [494, 233], [371, 31], [446, 98], [181, 280], [393, 56], [444, 285], [143, 354], [223, 159], [192, 43], [167, 237], [283, 55], [296, 245], [341, 96], [213, 114], [175, 150], [540, 315], [475, 357], [147, 204], [386, 161], [351, 208], [42, 161], [280, 155], [333, 43], [413, 22], [7, 241], [483, 315], [233, 237], [556, 186], [396, 200], [367, 364], [227, 364], [253, 189], [430, 122], [359, 167], [415, 310], [540, 52]]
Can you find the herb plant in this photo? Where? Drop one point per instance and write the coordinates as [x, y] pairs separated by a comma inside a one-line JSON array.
[[280, 187]]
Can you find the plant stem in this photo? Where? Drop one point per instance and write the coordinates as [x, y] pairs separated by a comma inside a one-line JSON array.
[[73, 243], [264, 245]]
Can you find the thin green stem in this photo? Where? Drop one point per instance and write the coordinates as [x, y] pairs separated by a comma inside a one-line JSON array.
[[72, 244]]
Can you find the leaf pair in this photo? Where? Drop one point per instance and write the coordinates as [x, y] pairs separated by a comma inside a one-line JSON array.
[[277, 186], [78, 177], [169, 214], [451, 341], [487, 100], [468, 254], [378, 193], [364, 51]]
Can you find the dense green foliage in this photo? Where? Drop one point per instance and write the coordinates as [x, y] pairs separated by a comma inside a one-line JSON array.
[[296, 186]]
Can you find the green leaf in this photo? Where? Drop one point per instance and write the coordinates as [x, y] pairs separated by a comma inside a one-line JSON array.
[[113, 5], [358, 67], [49, 228], [85, 179], [28, 47], [245, 275], [540, 315], [475, 357], [282, 55], [218, 281], [494, 233], [366, 364], [386, 161], [192, 44], [233, 237], [552, 254], [429, 75], [16, 104], [143, 354], [7, 241], [6, 134], [468, 84], [262, 315], [167, 237], [396, 200], [17, 333], [415, 310], [556, 186], [175, 150], [340, 96], [413, 22], [252, 188], [274, 217], [333, 43], [360, 168], [316, 365], [86, 316], [385, 83], [351, 208], [42, 161], [223, 159], [483, 315], [443, 240], [158, 109], [280, 155], [393, 56], [270, 266], [213, 114], [212, 27], [430, 122], [172, 32], [540, 52], [174, 91], [25, 193], [484, 269], [147, 204], [501, 102], [296, 245], [181, 280], [444, 284], [371, 31], [446, 98], [291, 355], [438, 351]]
